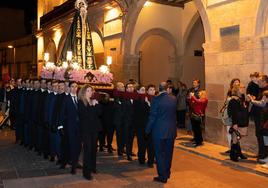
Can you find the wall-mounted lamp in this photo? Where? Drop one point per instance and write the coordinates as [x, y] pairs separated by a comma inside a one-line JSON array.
[[46, 57], [69, 56], [109, 60]]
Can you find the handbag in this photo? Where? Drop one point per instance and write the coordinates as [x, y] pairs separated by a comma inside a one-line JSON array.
[[264, 130], [196, 117]]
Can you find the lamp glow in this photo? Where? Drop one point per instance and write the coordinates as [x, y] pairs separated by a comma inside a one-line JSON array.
[[147, 4], [10, 46], [69, 56], [75, 66], [104, 69], [109, 60], [46, 57], [64, 64], [50, 65]]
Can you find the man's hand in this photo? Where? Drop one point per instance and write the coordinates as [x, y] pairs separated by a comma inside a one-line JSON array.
[[146, 136], [235, 127]]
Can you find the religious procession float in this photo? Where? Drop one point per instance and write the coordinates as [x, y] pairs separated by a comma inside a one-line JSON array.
[[76, 61]]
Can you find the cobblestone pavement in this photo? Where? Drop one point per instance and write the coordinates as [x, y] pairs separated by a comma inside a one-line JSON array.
[[192, 167]]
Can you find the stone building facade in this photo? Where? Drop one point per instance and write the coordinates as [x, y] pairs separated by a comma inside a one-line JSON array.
[[214, 40]]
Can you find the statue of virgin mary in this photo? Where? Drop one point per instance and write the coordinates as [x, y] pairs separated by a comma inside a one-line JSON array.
[[79, 39]]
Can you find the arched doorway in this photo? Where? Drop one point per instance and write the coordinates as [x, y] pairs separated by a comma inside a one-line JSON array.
[[193, 59], [180, 51], [153, 65]]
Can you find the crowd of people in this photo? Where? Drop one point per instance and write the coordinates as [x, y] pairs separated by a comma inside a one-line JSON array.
[[241, 105], [58, 120]]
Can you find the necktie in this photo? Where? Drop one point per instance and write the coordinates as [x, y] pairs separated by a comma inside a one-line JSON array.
[[75, 100]]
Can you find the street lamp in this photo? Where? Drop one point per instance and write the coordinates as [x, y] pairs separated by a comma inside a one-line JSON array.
[[14, 56]]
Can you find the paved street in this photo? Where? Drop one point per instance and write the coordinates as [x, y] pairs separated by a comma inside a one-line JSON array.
[[21, 168]]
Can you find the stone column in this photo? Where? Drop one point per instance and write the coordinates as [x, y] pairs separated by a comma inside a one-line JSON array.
[[221, 66], [131, 67]]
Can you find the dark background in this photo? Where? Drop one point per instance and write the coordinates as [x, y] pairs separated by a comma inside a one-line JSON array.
[[29, 6]]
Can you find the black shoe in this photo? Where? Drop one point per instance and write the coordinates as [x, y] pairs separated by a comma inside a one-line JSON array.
[[150, 165], [52, 159], [157, 179], [39, 153], [235, 159], [227, 152], [79, 166], [141, 162], [260, 161], [129, 158], [197, 144], [243, 156], [95, 171], [110, 150], [73, 171], [119, 153], [62, 166], [88, 177], [58, 162], [101, 149], [45, 156]]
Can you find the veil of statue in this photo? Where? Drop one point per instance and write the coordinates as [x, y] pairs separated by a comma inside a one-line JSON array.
[[79, 39]]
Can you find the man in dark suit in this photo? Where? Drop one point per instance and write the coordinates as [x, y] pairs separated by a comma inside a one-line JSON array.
[[71, 133], [162, 126], [46, 130], [41, 115], [56, 127], [27, 112], [50, 117], [118, 118], [130, 96]]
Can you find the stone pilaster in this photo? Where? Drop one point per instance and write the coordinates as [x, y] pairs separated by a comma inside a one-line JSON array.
[[220, 67], [131, 67]]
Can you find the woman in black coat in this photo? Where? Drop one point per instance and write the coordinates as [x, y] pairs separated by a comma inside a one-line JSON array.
[[238, 112], [90, 124]]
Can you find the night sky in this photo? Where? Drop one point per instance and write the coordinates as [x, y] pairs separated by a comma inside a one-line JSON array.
[[30, 7]]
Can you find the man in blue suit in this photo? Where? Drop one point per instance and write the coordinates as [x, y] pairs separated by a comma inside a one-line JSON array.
[[162, 126], [70, 123]]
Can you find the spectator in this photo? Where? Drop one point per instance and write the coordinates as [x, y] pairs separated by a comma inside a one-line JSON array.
[[181, 104], [238, 111], [197, 115]]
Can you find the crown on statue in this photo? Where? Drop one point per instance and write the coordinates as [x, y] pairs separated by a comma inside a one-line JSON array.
[[81, 3]]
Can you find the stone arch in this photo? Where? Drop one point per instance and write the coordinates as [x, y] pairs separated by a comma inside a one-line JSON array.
[[157, 49], [261, 17], [51, 49], [189, 29], [155, 31], [132, 17], [61, 45], [204, 17]]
